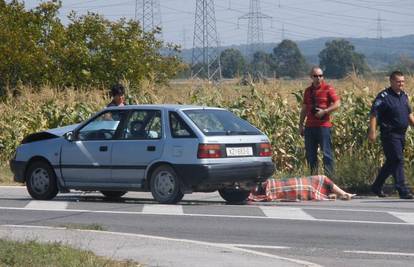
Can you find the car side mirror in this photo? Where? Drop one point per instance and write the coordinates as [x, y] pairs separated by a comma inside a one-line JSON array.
[[69, 136]]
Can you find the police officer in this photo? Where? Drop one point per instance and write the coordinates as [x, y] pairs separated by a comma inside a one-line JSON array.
[[392, 111]]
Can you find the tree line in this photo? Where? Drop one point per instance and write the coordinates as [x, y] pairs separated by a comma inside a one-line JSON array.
[[338, 59], [36, 48]]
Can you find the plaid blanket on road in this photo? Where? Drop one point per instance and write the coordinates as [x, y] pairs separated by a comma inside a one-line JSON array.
[[317, 187]]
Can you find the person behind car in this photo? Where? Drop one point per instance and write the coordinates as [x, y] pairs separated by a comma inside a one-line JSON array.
[[118, 100], [118, 96], [316, 187]]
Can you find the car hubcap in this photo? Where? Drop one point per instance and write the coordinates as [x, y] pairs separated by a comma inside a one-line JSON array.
[[164, 183], [40, 180]]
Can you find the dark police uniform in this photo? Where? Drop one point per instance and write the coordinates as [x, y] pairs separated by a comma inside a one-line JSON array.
[[392, 111]]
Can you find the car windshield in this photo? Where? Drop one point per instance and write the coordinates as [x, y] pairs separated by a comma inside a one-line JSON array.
[[220, 122], [101, 124]]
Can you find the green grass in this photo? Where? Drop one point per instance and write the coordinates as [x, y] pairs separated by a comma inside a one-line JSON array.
[[31, 253]]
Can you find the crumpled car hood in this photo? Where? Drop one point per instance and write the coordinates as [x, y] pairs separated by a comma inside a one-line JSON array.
[[48, 134], [62, 130]]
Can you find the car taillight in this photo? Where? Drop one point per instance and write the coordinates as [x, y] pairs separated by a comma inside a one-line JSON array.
[[265, 150], [209, 151]]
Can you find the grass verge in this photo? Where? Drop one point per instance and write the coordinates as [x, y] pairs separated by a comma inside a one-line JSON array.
[[34, 254]]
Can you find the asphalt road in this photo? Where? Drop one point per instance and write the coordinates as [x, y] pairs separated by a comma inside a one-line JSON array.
[[366, 231]]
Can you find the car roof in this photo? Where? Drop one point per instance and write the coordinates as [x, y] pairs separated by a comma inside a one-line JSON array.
[[171, 107]]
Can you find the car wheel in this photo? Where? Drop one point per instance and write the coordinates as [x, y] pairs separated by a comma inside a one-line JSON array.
[[233, 195], [113, 194], [41, 181], [165, 185]]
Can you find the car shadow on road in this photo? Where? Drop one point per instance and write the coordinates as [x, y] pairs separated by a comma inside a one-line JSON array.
[[131, 200]]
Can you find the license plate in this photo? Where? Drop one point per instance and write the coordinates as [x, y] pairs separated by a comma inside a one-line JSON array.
[[239, 151]]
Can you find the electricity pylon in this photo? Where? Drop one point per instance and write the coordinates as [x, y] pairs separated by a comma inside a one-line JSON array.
[[148, 12], [255, 27], [205, 61], [379, 27]]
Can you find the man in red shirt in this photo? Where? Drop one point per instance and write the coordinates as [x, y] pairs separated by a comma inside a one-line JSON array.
[[319, 101]]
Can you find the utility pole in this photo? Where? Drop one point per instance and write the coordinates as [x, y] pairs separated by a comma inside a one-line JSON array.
[[184, 40], [255, 27], [205, 58], [148, 12], [379, 27]]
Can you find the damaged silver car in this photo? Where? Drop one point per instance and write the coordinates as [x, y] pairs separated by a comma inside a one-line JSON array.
[[169, 150]]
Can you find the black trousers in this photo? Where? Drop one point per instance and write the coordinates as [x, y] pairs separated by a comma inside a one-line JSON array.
[[393, 147]]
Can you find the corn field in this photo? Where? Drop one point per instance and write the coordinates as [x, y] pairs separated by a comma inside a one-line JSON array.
[[273, 108]]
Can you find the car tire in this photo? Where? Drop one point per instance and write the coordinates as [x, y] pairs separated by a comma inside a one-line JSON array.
[[113, 194], [232, 195], [41, 181], [166, 185]]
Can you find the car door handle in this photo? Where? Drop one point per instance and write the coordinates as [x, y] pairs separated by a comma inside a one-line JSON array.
[[150, 148], [103, 148]]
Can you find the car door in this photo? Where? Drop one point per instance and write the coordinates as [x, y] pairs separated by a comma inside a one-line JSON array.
[[140, 143], [87, 159]]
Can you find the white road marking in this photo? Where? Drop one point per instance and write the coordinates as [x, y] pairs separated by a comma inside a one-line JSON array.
[[163, 209], [236, 247], [50, 205], [387, 253], [286, 213], [271, 212], [406, 217], [258, 246]]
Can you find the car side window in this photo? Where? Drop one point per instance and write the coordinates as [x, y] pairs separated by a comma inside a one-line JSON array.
[[143, 125], [179, 129], [102, 127]]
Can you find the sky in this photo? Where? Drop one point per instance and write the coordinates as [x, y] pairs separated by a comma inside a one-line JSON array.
[[290, 19]]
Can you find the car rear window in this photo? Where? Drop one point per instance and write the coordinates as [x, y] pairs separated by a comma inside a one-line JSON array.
[[220, 122]]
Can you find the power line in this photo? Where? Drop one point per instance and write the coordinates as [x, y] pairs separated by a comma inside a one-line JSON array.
[[299, 26], [330, 14], [106, 5], [392, 11]]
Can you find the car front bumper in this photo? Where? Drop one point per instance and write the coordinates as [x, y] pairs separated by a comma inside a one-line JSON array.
[[18, 168], [216, 174]]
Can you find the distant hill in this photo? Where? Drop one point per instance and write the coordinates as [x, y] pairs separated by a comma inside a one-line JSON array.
[[379, 53]]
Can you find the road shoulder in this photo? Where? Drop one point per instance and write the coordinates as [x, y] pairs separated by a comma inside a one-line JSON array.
[[149, 250]]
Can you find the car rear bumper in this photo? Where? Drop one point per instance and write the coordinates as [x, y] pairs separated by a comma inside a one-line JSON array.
[[18, 167], [216, 174]]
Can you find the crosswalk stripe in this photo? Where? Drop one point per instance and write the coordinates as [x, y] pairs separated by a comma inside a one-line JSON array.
[[272, 212], [380, 253], [406, 217], [163, 209], [286, 213], [47, 205]]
